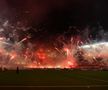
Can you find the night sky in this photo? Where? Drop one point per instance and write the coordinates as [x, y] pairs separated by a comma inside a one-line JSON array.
[[55, 15]]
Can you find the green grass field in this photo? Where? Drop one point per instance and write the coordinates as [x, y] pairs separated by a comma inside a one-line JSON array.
[[54, 78]]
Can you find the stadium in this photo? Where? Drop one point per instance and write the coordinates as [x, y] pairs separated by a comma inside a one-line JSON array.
[[53, 44]]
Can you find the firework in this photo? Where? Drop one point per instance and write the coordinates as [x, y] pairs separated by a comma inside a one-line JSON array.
[[18, 51], [93, 55]]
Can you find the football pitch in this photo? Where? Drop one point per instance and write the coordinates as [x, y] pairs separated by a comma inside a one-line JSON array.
[[54, 78]]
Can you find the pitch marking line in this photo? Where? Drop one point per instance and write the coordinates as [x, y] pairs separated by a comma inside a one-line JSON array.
[[85, 86]]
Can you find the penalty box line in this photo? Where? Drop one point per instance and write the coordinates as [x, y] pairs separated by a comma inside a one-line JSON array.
[[97, 80]]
